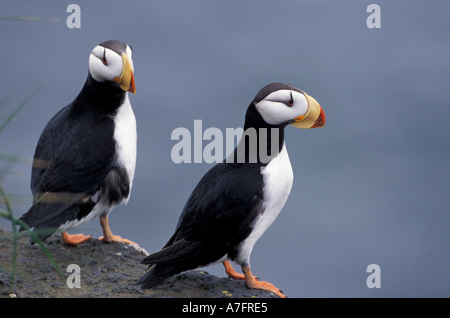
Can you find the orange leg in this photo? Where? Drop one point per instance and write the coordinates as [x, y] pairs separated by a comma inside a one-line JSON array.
[[107, 234], [231, 272], [254, 283], [74, 239]]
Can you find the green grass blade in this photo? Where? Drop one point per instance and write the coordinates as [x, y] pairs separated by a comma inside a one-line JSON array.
[[19, 108], [28, 19], [9, 157], [36, 238], [10, 213]]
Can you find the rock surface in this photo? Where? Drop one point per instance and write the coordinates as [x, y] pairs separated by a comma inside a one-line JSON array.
[[106, 270]]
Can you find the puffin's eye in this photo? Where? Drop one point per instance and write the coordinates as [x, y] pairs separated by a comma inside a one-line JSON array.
[[104, 61], [291, 101]]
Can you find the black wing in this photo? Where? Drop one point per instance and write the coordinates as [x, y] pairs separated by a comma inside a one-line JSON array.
[[223, 205], [74, 153], [215, 220], [72, 158]]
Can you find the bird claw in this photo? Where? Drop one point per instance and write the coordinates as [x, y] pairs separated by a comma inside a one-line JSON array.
[[117, 239]]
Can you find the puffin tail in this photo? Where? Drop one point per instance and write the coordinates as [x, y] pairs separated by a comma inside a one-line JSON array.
[[44, 220], [155, 276], [47, 217], [171, 260]]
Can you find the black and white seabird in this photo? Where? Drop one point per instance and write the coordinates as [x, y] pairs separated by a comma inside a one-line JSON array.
[[85, 158], [237, 200]]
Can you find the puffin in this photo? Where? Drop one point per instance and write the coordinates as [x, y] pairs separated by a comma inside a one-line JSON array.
[[235, 202], [85, 158]]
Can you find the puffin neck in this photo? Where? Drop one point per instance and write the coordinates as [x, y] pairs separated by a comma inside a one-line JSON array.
[[105, 97], [260, 141]]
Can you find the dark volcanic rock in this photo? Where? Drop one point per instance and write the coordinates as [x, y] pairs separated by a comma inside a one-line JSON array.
[[106, 270]]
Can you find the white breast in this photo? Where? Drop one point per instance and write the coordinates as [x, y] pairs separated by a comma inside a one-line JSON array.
[[278, 179], [126, 138]]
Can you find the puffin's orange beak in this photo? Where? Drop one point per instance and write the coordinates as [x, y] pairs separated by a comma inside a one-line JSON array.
[[314, 117], [126, 79]]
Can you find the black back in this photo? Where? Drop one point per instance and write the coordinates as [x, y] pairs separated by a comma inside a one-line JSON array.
[[76, 154]]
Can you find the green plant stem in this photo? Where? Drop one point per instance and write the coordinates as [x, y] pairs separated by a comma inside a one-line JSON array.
[[36, 238], [13, 224], [21, 105]]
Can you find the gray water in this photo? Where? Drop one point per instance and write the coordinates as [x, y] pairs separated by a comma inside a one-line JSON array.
[[372, 187]]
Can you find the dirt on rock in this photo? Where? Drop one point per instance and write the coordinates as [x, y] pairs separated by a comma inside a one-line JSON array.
[[105, 271]]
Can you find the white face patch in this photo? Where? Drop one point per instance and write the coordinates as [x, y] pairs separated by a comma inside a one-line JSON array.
[[282, 106], [107, 71]]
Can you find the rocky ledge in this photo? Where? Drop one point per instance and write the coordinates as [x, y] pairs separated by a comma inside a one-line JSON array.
[[105, 270]]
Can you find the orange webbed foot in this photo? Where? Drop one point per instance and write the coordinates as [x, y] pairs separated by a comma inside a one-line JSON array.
[[254, 283], [74, 239], [107, 234], [116, 238]]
